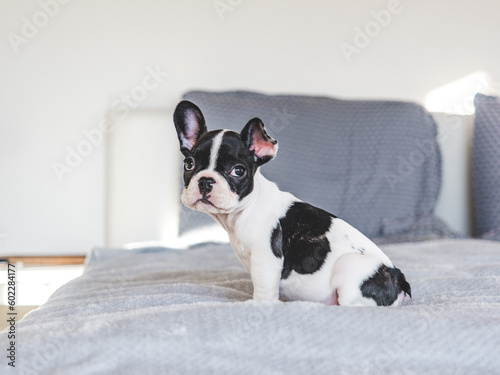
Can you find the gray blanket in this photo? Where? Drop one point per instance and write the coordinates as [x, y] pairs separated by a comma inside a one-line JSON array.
[[161, 311]]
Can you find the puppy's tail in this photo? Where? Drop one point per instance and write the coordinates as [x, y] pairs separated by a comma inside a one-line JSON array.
[[400, 280], [386, 285]]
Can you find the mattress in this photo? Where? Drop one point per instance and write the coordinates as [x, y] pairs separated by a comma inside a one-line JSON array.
[[168, 311]]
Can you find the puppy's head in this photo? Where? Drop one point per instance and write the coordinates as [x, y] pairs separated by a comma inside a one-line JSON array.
[[219, 165]]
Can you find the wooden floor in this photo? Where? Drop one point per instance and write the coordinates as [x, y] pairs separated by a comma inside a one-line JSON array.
[[20, 310]]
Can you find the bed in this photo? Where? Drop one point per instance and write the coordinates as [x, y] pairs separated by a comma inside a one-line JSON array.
[[159, 310]]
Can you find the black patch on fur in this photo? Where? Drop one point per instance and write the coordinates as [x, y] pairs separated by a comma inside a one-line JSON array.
[[233, 152], [304, 242], [201, 155], [385, 285], [255, 130], [198, 127], [277, 241]]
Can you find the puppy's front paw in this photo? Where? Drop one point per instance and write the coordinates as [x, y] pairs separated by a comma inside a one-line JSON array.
[[270, 302], [269, 297]]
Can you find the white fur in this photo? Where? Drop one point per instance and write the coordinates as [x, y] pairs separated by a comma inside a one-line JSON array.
[[221, 197], [214, 151], [250, 237], [249, 227]]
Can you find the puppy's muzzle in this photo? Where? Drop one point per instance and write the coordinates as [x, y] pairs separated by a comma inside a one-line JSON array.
[[205, 185]]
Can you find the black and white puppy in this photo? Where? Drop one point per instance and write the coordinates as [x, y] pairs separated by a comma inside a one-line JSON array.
[[292, 249]]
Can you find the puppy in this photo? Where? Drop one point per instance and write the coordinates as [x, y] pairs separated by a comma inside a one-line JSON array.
[[293, 250]]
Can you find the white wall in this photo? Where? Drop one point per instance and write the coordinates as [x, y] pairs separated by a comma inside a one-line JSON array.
[[86, 55]]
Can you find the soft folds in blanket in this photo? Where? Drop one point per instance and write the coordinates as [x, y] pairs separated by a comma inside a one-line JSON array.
[[160, 311]]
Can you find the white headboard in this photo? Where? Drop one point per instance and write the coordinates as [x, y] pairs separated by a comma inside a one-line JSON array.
[[142, 178], [455, 204]]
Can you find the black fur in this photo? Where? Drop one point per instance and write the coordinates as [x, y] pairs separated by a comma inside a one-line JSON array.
[[277, 241], [256, 130], [235, 150], [385, 285], [304, 242], [200, 154], [183, 110], [232, 152]]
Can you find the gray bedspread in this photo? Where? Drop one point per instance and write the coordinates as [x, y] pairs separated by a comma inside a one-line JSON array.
[[161, 311]]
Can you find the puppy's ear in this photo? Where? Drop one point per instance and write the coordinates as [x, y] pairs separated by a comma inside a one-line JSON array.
[[190, 125], [255, 137]]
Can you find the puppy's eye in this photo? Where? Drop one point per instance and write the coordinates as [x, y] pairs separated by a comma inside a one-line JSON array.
[[189, 164], [238, 171]]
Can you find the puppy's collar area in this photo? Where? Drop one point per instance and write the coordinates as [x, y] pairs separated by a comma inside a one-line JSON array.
[[229, 220]]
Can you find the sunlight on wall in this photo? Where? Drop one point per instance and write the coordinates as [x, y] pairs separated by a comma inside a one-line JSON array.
[[34, 285], [458, 97]]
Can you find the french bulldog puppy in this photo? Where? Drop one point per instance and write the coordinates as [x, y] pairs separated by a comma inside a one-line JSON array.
[[293, 250]]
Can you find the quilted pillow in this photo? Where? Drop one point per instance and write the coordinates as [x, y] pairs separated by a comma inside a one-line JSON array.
[[486, 166], [372, 163]]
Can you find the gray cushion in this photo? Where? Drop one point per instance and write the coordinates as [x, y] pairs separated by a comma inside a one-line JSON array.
[[486, 166], [375, 164]]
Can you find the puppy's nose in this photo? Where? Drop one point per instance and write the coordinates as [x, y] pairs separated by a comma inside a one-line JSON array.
[[205, 184]]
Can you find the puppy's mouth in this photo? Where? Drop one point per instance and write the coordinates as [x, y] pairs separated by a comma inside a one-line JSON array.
[[213, 198], [204, 204], [205, 200]]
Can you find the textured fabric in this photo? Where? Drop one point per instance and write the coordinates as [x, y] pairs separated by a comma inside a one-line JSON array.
[[368, 162], [413, 229], [158, 311], [486, 166]]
